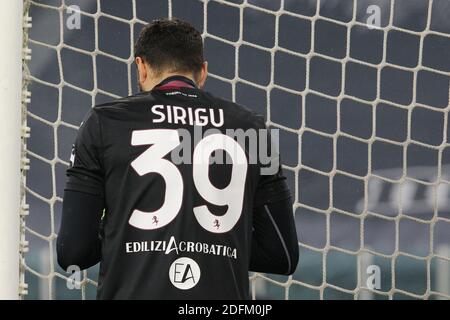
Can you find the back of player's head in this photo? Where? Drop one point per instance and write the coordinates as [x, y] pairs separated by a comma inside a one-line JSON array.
[[170, 46]]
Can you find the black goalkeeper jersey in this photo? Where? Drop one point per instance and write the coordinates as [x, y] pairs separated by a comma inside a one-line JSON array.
[[175, 225]]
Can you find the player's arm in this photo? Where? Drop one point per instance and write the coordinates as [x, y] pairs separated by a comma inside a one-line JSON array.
[[78, 240], [274, 239]]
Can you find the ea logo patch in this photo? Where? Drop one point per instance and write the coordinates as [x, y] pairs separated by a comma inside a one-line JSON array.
[[184, 273]]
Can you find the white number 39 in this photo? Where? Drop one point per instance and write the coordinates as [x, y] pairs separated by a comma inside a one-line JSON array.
[[162, 142]]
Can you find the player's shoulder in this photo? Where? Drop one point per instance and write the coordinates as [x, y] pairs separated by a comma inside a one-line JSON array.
[[124, 103], [241, 114], [129, 107]]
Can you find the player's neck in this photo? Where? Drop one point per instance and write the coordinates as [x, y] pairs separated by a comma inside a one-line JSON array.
[[154, 81]]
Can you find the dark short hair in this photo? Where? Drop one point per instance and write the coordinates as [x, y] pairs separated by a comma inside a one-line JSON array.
[[170, 45]]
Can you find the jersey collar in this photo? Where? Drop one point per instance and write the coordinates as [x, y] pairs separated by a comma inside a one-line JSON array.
[[175, 82]]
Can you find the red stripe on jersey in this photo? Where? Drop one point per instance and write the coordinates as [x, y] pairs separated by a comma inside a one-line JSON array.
[[175, 84]]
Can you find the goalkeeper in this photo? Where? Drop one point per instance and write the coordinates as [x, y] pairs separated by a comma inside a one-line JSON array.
[[162, 229]]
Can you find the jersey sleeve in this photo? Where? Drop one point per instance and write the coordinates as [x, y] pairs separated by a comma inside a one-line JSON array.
[[85, 173], [272, 186], [274, 239], [271, 189]]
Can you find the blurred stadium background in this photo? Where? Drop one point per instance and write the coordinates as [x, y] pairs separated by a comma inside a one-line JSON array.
[[363, 115]]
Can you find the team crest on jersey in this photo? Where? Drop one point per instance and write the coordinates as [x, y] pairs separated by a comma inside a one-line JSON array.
[[184, 273]]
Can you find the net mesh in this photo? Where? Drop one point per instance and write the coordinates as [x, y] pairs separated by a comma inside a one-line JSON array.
[[353, 104]]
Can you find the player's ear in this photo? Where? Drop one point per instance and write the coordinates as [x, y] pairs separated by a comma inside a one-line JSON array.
[[203, 74], [142, 70]]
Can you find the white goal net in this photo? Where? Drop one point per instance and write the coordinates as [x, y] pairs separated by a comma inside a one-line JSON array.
[[358, 88]]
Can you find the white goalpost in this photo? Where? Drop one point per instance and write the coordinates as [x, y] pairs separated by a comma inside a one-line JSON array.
[[11, 82], [299, 82]]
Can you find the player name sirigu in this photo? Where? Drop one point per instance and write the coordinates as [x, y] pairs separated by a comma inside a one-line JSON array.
[[187, 115]]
